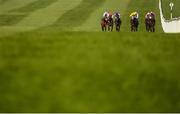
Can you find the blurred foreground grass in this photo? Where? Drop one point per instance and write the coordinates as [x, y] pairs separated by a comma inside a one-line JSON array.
[[90, 72]]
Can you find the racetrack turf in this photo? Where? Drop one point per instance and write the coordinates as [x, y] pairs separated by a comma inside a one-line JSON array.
[[9, 5], [89, 72], [54, 69]]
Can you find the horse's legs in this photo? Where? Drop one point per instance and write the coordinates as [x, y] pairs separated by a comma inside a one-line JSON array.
[[117, 28], [150, 29], [102, 28], [146, 27], [131, 28], [111, 28]]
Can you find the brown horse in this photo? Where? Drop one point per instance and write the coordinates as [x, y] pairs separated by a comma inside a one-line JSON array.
[[150, 23], [104, 23]]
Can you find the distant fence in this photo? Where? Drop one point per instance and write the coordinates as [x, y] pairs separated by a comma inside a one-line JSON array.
[[169, 26]]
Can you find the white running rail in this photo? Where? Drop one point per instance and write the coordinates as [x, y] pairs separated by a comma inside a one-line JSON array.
[[169, 26]]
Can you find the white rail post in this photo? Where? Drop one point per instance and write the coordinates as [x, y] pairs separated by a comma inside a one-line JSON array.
[[171, 6]]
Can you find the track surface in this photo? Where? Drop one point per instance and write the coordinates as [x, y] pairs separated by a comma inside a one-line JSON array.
[[53, 59], [36, 14]]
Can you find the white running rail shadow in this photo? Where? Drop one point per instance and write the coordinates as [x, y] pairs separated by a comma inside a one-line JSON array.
[[169, 26]]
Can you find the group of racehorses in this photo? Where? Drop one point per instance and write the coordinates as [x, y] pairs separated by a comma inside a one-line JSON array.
[[107, 23]]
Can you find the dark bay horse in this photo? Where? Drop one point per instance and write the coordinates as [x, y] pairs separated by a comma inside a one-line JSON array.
[[150, 23], [118, 23], [110, 23], [134, 24]]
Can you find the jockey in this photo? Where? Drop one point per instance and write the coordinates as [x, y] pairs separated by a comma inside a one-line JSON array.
[[105, 14], [110, 18], [110, 15], [117, 15], [134, 15], [152, 14], [147, 15]]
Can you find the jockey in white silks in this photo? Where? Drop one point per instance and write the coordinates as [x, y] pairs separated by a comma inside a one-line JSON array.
[[105, 14], [153, 14], [147, 15], [116, 15], [150, 14]]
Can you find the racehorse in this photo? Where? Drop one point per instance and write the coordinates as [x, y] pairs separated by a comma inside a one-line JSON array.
[[118, 23], [134, 24], [150, 23], [110, 23], [104, 23]]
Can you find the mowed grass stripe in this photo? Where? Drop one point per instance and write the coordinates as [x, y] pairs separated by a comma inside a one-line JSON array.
[[8, 20], [15, 16], [34, 6], [49, 15], [13, 4], [142, 6], [46, 17], [93, 21], [78, 15]]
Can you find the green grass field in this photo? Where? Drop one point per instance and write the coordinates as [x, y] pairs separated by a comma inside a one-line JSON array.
[[166, 8], [54, 58]]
